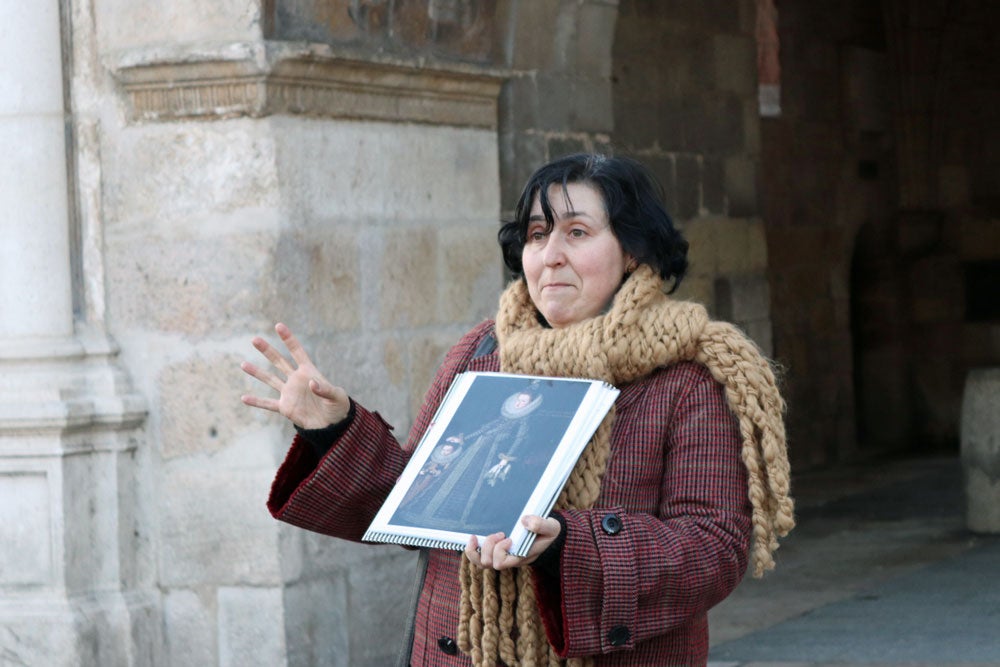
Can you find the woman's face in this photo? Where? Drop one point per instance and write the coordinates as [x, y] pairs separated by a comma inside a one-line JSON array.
[[573, 270]]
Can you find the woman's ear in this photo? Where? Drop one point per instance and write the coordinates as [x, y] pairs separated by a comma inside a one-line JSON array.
[[631, 264]]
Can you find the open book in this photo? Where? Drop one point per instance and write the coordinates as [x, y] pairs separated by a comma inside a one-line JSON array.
[[500, 446]]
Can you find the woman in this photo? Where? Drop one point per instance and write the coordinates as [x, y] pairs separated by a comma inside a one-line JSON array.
[[654, 525]]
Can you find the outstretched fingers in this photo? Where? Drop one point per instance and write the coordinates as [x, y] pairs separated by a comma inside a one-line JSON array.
[[270, 379], [272, 355], [258, 402], [292, 343]]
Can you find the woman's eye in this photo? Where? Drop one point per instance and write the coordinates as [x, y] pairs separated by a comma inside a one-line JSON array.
[[577, 233], [536, 235]]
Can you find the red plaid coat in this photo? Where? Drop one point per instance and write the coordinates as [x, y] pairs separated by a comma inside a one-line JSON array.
[[631, 592]]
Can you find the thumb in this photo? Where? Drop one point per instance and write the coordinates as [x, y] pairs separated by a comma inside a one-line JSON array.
[[322, 388]]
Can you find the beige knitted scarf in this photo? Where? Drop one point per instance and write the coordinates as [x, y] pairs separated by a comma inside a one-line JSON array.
[[643, 330]]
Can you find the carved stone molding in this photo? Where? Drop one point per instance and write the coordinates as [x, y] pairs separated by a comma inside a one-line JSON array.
[[258, 80]]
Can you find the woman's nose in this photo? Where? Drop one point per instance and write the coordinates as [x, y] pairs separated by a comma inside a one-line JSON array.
[[554, 253]]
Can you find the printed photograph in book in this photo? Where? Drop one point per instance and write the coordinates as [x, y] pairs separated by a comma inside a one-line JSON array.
[[500, 447]]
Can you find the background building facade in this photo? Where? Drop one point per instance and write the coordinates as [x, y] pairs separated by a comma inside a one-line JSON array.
[[179, 176]]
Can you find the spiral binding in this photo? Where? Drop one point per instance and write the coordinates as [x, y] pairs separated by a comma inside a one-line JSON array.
[[429, 543]]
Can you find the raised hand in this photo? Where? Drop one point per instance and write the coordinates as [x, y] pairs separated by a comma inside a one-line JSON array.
[[304, 396]]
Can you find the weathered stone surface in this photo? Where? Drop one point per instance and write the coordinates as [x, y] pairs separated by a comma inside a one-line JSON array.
[[200, 408], [980, 429], [469, 272], [251, 627], [317, 622], [319, 265], [406, 293], [734, 61], [379, 602], [262, 79], [189, 625], [126, 24], [191, 287], [211, 534], [740, 179], [364, 173], [25, 528]]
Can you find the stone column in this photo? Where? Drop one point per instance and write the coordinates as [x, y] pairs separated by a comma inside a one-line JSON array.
[[67, 576], [35, 299], [981, 449]]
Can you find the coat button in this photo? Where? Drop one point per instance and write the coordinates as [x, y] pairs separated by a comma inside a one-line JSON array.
[[619, 635], [611, 524], [448, 645]]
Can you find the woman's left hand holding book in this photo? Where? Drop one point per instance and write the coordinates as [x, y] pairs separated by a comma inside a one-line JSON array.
[[305, 396]]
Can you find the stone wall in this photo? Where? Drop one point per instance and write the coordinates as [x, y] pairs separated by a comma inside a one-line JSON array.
[[685, 103], [875, 210], [221, 182], [827, 170], [340, 165]]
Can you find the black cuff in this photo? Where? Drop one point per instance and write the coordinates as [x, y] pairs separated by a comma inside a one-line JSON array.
[[547, 563], [320, 440]]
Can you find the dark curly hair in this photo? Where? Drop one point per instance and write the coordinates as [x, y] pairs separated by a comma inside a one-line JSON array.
[[634, 203]]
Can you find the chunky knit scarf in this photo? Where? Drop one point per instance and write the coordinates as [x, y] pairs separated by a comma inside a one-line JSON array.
[[643, 330]]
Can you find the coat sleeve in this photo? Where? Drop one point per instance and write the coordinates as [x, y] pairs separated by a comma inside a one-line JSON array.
[[626, 577], [340, 493]]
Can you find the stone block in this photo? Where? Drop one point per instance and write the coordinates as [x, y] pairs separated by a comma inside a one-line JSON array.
[[251, 627], [743, 298], [591, 106], [735, 64], [740, 246], [556, 101], [315, 21], [427, 353], [204, 178], [700, 235], [637, 120], [380, 596], [189, 287], [26, 550], [525, 152], [595, 36], [935, 287], [471, 273], [713, 189], [519, 103], [200, 411], [314, 278], [190, 628], [562, 145], [662, 169], [980, 449], [474, 31], [357, 362], [359, 172], [760, 332], [532, 46], [954, 189], [979, 238], [407, 294], [866, 89], [715, 125], [700, 289], [707, 16], [740, 182], [127, 24], [688, 192], [317, 613], [215, 528]]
